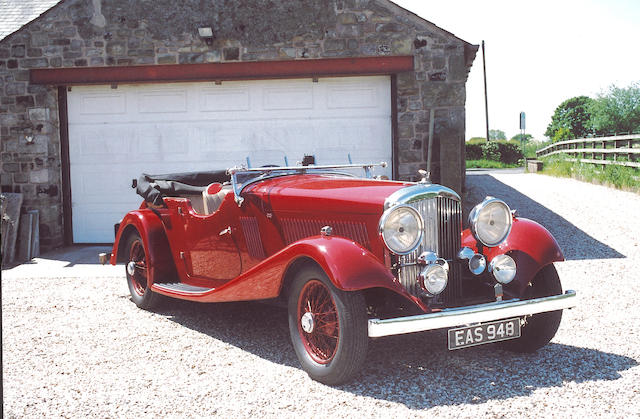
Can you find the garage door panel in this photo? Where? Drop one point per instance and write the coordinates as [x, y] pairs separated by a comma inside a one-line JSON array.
[[117, 134], [156, 144], [97, 143], [296, 99], [162, 101], [100, 104], [224, 99], [94, 223], [351, 97]]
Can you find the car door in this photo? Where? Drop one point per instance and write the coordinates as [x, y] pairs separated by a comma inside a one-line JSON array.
[[209, 249]]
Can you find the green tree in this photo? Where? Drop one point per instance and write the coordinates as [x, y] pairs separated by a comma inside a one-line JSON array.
[[526, 138], [571, 119], [496, 134], [618, 110]]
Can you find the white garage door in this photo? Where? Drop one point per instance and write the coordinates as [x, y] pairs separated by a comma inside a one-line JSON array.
[[117, 134]]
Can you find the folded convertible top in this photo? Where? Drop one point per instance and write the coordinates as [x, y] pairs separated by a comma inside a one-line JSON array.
[[154, 187]]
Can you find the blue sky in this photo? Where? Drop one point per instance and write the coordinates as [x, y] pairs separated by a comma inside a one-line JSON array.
[[539, 53]]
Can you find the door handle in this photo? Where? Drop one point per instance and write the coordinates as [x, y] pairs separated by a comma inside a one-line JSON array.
[[225, 231]]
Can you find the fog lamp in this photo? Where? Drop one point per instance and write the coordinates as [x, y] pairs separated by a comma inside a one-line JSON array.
[[503, 268], [433, 278], [477, 264]]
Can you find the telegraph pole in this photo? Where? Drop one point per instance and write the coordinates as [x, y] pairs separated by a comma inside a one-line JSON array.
[[523, 128], [486, 101]]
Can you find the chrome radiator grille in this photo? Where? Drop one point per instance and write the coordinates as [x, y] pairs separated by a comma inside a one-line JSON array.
[[442, 228]]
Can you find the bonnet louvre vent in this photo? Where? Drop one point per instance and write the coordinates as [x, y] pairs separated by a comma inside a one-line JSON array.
[[252, 237], [298, 228]]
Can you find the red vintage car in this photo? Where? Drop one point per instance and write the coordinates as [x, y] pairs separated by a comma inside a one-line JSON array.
[[352, 258]]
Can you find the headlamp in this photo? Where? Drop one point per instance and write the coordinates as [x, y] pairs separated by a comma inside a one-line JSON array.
[[490, 221], [401, 229]]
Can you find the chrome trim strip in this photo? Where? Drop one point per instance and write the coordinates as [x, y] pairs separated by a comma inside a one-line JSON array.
[[190, 290], [453, 317]]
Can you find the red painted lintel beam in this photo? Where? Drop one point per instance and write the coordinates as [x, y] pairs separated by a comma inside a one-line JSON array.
[[224, 71]]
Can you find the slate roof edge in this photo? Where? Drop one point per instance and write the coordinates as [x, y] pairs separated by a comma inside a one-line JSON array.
[[32, 20], [419, 20]]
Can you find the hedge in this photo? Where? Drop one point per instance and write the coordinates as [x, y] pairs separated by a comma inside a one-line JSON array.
[[504, 151]]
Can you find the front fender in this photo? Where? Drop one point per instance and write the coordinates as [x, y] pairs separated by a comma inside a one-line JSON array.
[[160, 263], [531, 246], [348, 265]]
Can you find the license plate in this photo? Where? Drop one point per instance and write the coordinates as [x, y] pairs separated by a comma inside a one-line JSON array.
[[463, 337]]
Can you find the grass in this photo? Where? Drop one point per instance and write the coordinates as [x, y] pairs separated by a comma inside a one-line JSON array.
[[620, 177], [489, 164]]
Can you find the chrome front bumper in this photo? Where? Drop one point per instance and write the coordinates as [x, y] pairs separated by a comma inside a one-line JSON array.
[[459, 316]]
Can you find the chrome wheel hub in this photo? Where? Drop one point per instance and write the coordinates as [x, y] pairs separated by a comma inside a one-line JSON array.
[[307, 322], [131, 268]]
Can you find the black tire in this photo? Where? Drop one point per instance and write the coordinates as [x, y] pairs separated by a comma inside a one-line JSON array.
[[137, 275], [333, 347], [542, 327]]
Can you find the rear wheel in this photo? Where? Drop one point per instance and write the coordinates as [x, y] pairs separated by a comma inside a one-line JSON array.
[[542, 327], [137, 274], [328, 327]]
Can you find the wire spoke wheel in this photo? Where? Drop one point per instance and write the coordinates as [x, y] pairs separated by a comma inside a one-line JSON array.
[[328, 326], [137, 270], [319, 326], [137, 267]]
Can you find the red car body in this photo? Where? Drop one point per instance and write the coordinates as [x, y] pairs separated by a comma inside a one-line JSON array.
[[255, 243]]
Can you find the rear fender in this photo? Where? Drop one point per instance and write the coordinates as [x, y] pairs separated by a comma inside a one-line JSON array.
[[160, 262], [531, 246]]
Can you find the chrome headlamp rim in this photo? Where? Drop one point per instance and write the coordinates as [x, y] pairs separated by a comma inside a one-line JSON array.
[[474, 215], [385, 216]]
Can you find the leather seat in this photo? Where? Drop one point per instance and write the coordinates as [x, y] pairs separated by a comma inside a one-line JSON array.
[[213, 196]]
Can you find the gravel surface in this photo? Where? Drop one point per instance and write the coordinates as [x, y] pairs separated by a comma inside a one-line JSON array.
[[74, 345]]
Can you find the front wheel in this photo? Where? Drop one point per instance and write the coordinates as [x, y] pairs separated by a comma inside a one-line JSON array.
[[328, 327], [540, 328], [137, 274]]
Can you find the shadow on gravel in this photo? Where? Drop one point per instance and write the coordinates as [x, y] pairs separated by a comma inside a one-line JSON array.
[[575, 243], [416, 370], [419, 372], [79, 254], [258, 328]]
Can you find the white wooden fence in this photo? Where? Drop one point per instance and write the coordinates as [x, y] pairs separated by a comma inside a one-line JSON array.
[[621, 150]]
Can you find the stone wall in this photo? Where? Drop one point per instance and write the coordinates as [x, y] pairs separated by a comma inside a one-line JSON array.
[[90, 33]]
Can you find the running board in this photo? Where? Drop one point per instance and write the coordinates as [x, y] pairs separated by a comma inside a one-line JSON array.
[[179, 288]]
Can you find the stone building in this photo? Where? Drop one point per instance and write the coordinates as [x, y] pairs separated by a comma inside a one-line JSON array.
[[94, 92]]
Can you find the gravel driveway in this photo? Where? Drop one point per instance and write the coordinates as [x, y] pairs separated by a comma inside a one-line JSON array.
[[74, 345]]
